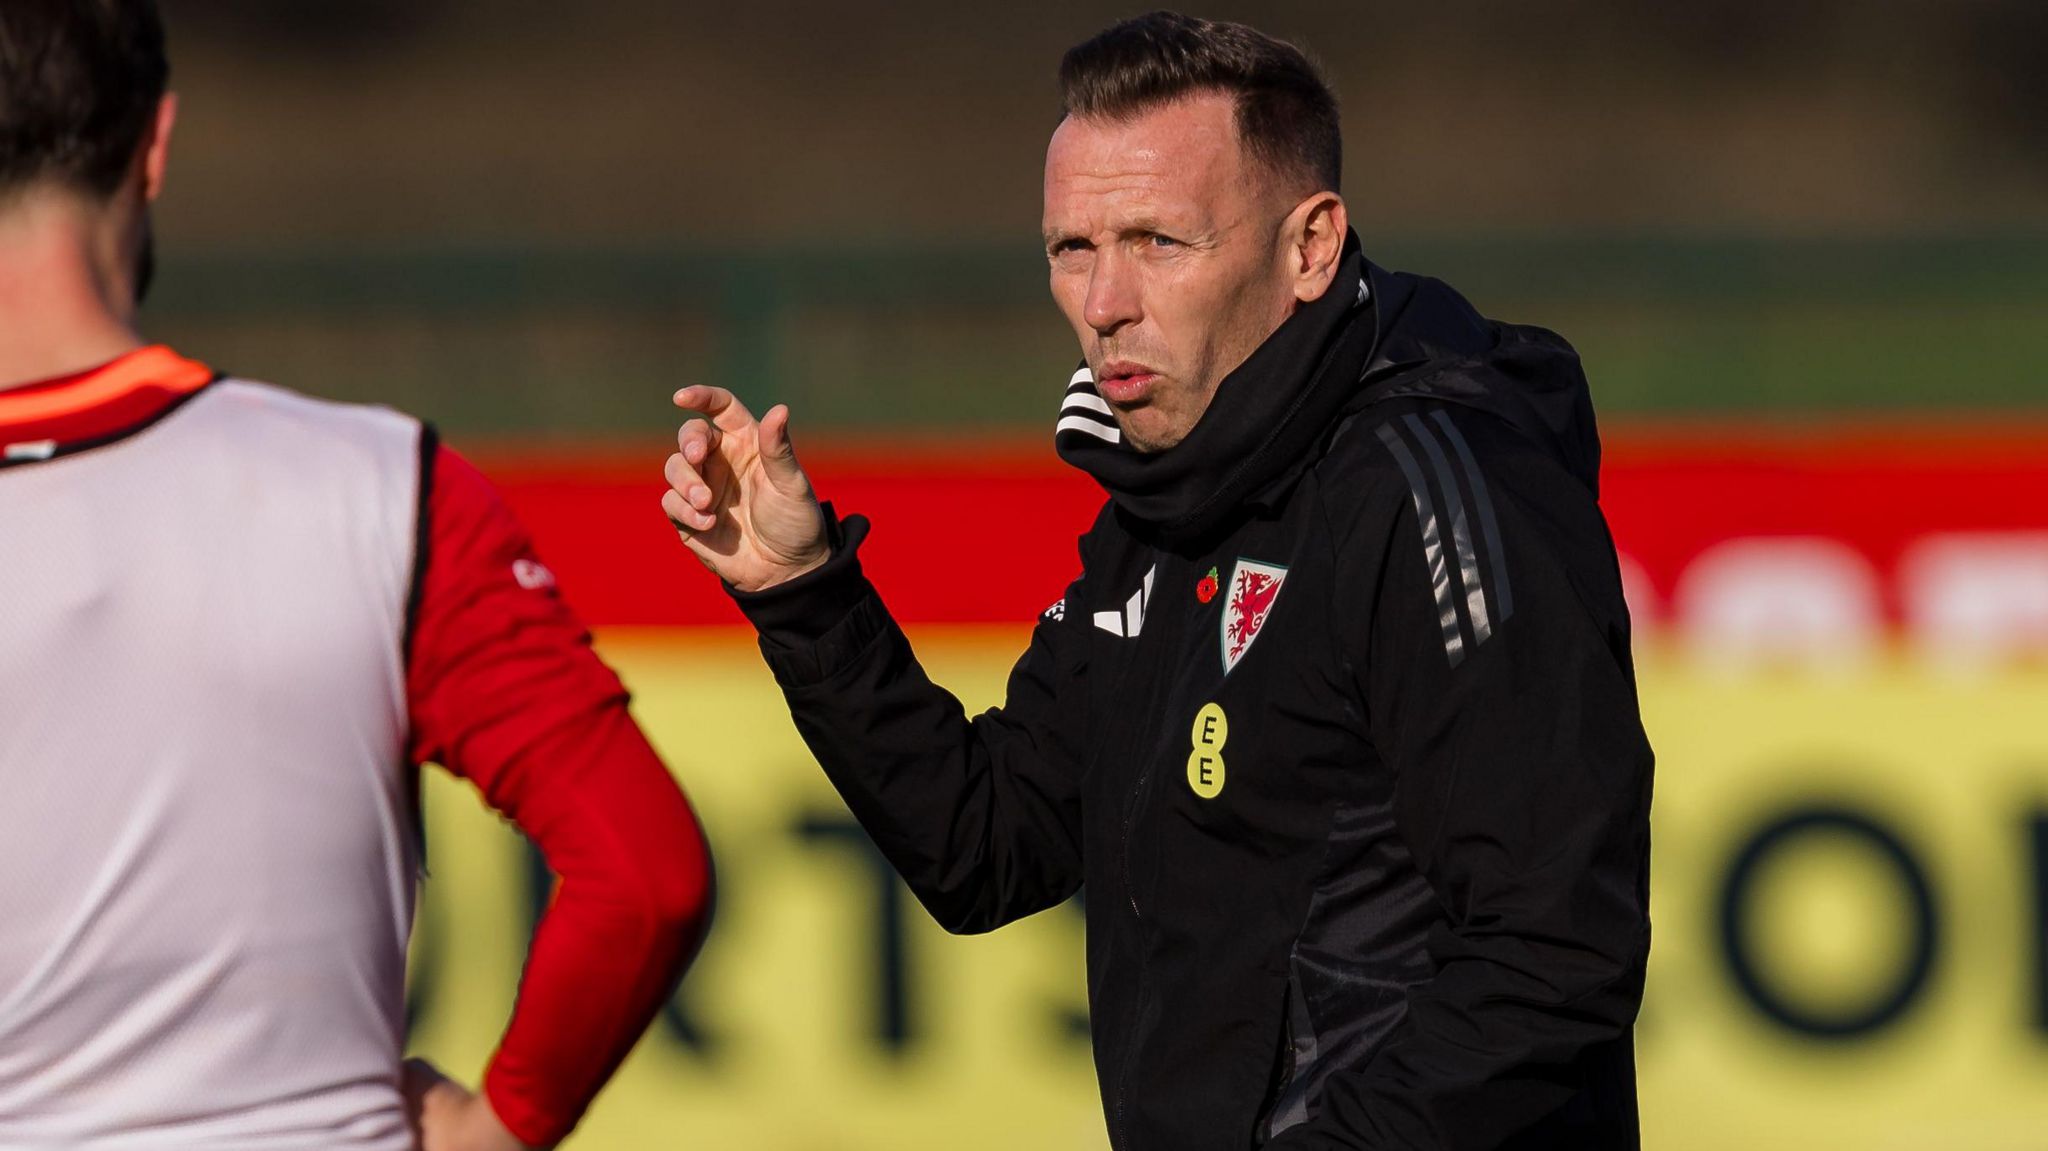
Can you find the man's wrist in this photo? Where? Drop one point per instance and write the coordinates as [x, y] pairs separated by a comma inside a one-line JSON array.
[[810, 602], [798, 571]]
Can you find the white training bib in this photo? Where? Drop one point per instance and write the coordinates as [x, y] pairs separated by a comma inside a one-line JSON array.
[[207, 844]]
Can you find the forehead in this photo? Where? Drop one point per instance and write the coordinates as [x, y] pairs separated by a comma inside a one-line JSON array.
[[1179, 157]]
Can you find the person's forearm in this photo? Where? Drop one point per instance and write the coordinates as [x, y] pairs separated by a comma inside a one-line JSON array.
[[959, 807], [633, 906], [504, 690]]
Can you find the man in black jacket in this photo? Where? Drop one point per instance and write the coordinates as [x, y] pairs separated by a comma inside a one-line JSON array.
[[1338, 725]]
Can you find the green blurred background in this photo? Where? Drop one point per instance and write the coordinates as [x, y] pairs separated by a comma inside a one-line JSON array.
[[527, 219]]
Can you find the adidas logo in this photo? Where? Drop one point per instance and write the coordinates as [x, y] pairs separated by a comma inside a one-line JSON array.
[[1128, 622]]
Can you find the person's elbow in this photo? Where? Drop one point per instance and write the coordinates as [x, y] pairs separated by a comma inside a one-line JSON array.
[[681, 887], [978, 899], [685, 896], [1560, 985], [1591, 994]]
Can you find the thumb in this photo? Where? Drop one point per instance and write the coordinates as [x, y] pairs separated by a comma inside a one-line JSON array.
[[778, 454]]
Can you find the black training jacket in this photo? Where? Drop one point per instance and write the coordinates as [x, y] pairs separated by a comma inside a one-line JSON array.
[[1337, 729]]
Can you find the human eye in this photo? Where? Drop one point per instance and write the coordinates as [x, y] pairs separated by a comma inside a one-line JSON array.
[[1069, 257]]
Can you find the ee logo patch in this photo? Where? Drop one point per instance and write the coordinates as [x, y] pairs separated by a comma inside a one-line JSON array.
[[1205, 762]]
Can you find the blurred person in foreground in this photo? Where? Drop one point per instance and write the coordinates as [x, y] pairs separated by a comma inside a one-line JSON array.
[[1338, 725], [233, 621]]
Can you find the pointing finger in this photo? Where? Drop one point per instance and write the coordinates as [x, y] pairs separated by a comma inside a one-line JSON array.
[[723, 408]]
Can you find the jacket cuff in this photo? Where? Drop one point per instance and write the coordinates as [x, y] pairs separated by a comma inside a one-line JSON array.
[[815, 623], [809, 605]]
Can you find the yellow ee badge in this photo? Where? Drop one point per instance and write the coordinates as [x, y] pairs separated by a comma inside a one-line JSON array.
[[1205, 762]]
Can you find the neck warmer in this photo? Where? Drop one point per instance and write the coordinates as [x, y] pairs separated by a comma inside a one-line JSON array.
[[1258, 432]]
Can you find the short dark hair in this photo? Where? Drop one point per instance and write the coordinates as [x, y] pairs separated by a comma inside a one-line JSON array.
[[1286, 113], [79, 85]]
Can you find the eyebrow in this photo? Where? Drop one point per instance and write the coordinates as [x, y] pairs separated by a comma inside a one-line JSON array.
[[1143, 225]]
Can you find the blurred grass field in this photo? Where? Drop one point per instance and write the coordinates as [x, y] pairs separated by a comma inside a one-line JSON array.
[[591, 342]]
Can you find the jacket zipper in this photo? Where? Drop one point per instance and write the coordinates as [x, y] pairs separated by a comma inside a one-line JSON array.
[[1119, 1138]]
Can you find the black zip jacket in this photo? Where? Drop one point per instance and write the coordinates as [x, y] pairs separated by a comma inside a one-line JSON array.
[[1337, 728]]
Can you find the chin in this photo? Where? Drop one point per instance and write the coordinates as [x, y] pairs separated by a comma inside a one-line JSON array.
[[1149, 438]]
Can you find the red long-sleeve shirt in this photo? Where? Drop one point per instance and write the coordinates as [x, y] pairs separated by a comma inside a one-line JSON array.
[[505, 692], [500, 686]]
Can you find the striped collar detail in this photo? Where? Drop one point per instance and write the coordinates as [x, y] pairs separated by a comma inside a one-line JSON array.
[[49, 418], [1085, 412]]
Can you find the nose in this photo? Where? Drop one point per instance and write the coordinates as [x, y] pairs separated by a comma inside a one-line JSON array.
[[1114, 295]]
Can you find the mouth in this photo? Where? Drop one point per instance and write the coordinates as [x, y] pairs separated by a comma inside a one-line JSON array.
[[1125, 382]]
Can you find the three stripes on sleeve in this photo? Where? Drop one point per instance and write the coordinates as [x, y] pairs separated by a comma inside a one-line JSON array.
[[1455, 512]]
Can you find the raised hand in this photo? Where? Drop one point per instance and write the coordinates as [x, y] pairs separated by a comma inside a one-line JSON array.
[[737, 496]]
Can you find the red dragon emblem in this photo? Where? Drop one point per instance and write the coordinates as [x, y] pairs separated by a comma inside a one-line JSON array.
[[1253, 588]]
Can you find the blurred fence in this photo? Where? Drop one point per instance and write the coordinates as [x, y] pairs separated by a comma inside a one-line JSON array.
[[580, 343]]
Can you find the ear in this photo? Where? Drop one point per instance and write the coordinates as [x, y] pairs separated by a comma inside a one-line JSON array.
[[156, 146], [1314, 233]]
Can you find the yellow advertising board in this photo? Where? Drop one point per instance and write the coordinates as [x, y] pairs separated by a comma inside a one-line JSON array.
[[1848, 897]]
